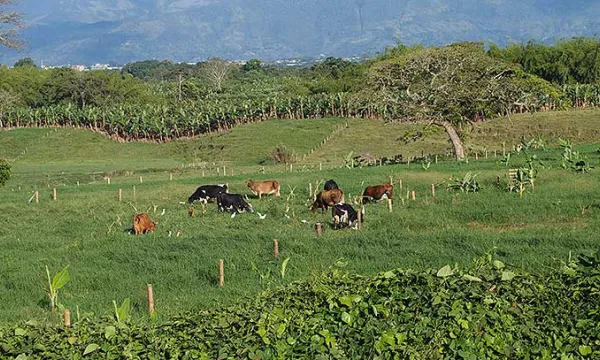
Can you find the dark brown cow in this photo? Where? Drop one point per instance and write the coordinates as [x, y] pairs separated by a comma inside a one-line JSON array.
[[260, 188], [378, 192], [327, 198], [142, 224]]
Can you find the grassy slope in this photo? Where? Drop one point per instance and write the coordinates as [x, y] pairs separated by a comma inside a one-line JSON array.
[[87, 226]]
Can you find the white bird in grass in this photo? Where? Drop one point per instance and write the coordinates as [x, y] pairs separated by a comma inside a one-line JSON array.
[[233, 215], [162, 213], [304, 222], [287, 216], [261, 216]]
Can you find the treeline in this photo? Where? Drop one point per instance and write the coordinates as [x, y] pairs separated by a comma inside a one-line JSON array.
[[575, 61], [161, 100]]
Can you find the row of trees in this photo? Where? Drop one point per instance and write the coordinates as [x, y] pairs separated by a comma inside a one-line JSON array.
[[575, 61]]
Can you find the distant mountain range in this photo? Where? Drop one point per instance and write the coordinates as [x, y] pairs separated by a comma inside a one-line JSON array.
[[121, 31]]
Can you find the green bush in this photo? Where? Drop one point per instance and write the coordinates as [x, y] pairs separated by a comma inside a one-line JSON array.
[[4, 172], [487, 311], [282, 155]]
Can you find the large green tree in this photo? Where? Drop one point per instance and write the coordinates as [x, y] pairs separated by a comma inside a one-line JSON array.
[[450, 86]]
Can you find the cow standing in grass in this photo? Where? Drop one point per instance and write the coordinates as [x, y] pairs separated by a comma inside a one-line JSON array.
[[205, 193], [260, 188], [233, 203], [327, 198], [344, 215], [378, 192], [330, 185]]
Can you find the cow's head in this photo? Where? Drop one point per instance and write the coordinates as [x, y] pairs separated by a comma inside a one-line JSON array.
[[249, 183]]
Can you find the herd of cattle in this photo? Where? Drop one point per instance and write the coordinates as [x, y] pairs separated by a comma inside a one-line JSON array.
[[343, 214]]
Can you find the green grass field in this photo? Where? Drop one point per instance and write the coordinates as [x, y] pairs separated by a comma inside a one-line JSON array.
[[88, 228]]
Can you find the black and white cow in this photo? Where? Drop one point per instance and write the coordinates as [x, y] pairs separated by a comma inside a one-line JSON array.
[[331, 185], [205, 193], [344, 215], [234, 203]]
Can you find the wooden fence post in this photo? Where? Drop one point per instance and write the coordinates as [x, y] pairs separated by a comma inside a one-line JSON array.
[[224, 171], [359, 218], [120, 194], [432, 190], [320, 166], [414, 196], [476, 156], [390, 204], [275, 248], [170, 176], [391, 180], [202, 173], [310, 192], [67, 317], [221, 273], [54, 194], [141, 180], [37, 197], [134, 191], [78, 183], [319, 229], [400, 184], [108, 180], [150, 300]]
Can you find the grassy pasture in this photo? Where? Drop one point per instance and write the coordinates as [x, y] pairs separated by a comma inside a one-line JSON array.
[[87, 227]]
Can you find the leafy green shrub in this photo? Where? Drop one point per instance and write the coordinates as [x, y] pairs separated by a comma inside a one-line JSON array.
[[466, 184], [282, 155], [486, 311], [4, 172]]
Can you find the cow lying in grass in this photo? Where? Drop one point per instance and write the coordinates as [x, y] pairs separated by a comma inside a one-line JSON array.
[[327, 198], [260, 188], [142, 224]]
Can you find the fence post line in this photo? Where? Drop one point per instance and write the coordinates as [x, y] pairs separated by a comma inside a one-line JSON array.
[[414, 196], [275, 248], [120, 194], [433, 190], [400, 184], [141, 180], [170, 176], [37, 197], [150, 300], [54, 194]]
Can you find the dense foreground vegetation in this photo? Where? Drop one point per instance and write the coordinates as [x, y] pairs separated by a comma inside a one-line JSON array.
[[486, 311]]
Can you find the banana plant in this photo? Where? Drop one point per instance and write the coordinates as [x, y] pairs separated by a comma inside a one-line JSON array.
[[55, 284]]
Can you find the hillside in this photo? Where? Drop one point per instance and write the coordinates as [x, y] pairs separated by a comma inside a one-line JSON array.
[[90, 31]]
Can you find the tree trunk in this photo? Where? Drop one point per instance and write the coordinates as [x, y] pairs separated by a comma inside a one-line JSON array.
[[459, 150]]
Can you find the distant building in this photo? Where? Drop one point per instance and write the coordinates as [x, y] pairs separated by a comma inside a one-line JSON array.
[[79, 67]]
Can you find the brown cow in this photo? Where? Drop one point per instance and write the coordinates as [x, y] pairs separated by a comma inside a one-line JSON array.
[[327, 198], [264, 187], [378, 192], [142, 224]]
